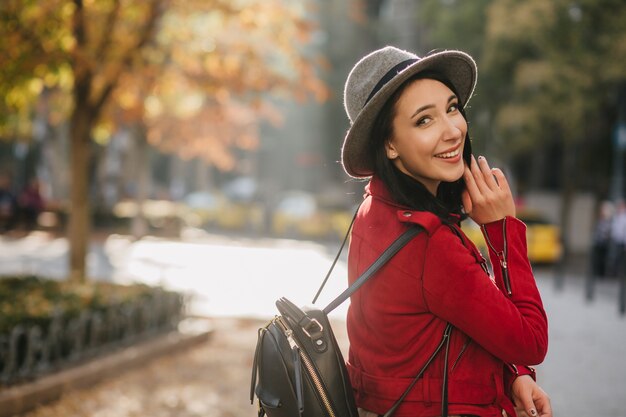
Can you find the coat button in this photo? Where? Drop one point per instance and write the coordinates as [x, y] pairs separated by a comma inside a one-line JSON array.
[[407, 214]]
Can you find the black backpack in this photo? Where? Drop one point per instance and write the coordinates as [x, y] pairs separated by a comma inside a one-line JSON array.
[[301, 371]]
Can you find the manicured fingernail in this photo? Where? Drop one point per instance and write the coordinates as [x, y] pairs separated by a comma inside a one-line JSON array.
[[533, 412], [481, 157]]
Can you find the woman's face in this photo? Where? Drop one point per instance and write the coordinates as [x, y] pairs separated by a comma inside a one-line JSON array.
[[428, 134]]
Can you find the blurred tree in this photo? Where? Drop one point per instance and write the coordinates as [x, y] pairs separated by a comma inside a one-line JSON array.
[[202, 90], [558, 65], [549, 74], [188, 73], [535, 61], [454, 24]]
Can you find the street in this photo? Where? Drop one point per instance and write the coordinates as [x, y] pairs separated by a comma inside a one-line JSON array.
[[236, 281]]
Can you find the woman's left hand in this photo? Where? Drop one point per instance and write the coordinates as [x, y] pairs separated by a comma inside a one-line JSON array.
[[487, 196], [530, 400]]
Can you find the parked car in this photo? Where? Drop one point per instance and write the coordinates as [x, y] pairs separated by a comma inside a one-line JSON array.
[[160, 214], [340, 219], [298, 214], [241, 209], [543, 237], [473, 232], [203, 208], [240, 215]]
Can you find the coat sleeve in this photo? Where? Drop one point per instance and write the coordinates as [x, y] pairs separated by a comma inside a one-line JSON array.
[[513, 371], [507, 320]]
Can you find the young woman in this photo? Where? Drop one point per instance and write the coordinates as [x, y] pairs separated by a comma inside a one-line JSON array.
[[409, 134]]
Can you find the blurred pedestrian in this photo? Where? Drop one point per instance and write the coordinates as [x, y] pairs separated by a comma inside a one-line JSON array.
[[31, 204], [8, 204], [617, 263], [601, 240], [409, 136]]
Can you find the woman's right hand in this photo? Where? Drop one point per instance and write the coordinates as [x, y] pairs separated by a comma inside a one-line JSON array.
[[487, 196], [529, 399]]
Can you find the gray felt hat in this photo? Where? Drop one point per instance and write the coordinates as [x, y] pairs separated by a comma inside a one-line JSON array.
[[376, 77]]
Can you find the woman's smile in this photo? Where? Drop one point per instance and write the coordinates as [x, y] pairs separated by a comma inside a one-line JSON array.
[[451, 156]]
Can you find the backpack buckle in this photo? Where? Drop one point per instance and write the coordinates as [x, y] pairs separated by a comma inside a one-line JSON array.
[[309, 324]]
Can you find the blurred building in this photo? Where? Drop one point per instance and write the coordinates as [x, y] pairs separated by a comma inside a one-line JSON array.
[[304, 153]]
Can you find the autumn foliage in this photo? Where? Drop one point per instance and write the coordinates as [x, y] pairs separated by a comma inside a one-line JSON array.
[[195, 75]]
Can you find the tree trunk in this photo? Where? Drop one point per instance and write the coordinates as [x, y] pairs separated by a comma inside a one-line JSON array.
[[139, 224], [568, 186], [87, 108], [202, 175], [79, 210]]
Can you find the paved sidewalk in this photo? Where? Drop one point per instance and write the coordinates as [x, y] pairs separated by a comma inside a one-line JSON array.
[[585, 370]]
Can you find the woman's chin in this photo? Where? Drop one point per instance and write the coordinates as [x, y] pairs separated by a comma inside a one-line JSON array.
[[455, 176]]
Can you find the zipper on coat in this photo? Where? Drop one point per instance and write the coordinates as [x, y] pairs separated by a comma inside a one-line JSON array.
[[458, 357], [501, 256], [311, 371]]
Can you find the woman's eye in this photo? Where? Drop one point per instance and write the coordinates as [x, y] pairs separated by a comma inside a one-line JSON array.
[[453, 107], [423, 120]]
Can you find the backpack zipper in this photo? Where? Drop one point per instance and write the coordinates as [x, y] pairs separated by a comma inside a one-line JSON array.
[[308, 364]]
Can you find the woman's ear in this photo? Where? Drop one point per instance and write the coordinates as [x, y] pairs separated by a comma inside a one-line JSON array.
[[390, 150]]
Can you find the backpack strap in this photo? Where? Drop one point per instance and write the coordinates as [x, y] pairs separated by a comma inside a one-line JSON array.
[[397, 244], [391, 250], [345, 239]]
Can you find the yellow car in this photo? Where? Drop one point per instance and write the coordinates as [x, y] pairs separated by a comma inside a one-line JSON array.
[[241, 209], [203, 208], [543, 237], [298, 215], [240, 216], [340, 219], [155, 211], [473, 232]]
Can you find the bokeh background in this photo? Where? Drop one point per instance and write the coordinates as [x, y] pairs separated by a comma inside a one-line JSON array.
[[112, 105], [130, 125]]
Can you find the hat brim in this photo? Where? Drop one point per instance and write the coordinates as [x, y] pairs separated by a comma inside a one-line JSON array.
[[456, 66]]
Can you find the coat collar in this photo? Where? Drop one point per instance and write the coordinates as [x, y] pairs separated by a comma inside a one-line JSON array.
[[378, 191]]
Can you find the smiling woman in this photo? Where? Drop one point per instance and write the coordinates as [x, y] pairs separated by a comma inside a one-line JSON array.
[[409, 135]]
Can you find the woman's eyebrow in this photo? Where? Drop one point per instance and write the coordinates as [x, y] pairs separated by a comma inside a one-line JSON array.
[[421, 109], [429, 106]]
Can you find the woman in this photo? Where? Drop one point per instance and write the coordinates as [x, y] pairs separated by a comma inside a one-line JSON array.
[[410, 135]]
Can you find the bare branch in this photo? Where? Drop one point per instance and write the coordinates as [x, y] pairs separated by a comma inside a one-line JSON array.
[[146, 34], [107, 32], [78, 28]]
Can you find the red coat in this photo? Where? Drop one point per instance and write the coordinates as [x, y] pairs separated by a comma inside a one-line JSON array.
[[396, 320]]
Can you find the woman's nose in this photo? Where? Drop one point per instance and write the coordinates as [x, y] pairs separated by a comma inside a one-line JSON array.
[[452, 129]]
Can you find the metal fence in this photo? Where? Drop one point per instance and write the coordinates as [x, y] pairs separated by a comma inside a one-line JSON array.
[[27, 352]]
